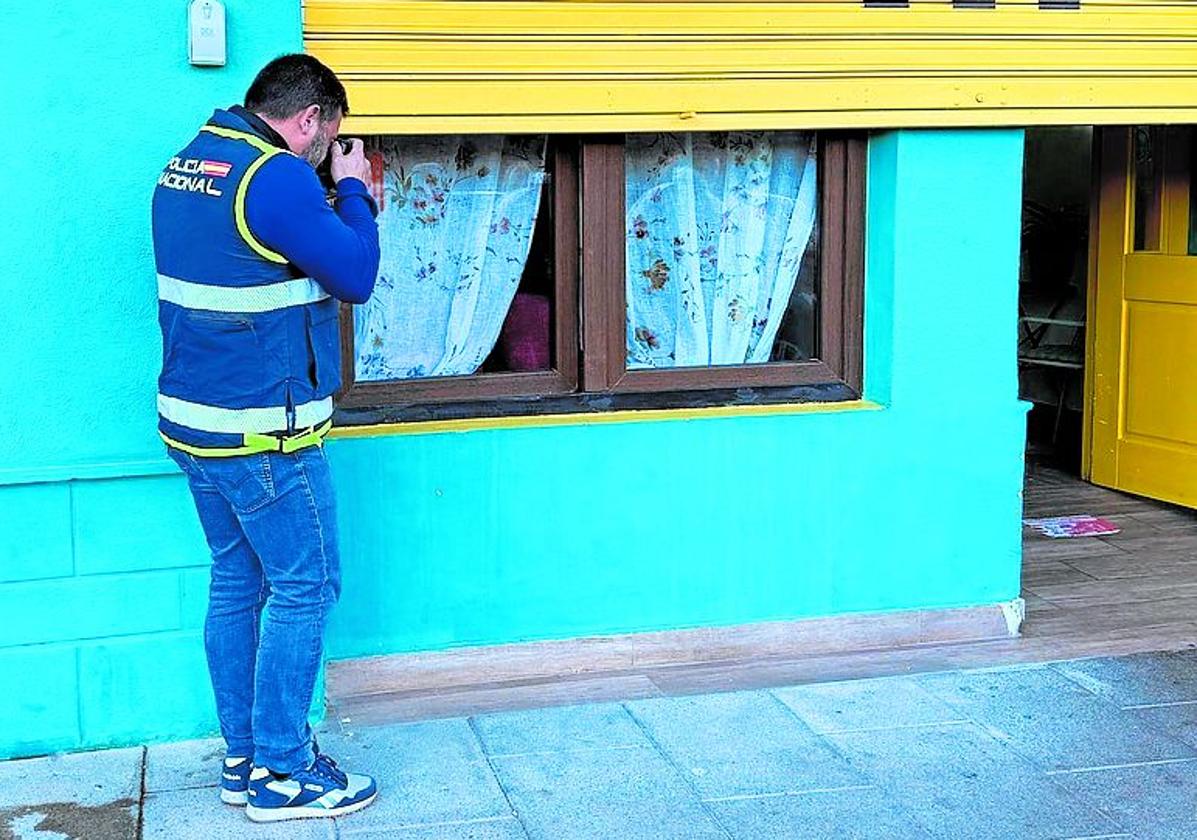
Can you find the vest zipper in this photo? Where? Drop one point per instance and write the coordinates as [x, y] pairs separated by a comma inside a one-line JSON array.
[[290, 409]]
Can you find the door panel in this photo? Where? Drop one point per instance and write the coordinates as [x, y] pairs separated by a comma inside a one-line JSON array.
[[1161, 278], [1143, 400], [1161, 398]]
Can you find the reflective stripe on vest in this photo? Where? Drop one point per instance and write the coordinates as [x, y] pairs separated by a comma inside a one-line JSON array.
[[239, 421], [264, 298]]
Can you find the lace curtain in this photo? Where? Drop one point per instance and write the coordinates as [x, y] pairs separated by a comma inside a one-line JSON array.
[[455, 230], [717, 224]]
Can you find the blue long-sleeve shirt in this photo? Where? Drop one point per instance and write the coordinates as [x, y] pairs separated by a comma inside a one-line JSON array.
[[336, 246]]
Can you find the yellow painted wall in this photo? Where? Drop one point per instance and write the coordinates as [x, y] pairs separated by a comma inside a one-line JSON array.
[[582, 65]]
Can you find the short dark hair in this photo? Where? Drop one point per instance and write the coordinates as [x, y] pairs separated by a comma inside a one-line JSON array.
[[290, 83]]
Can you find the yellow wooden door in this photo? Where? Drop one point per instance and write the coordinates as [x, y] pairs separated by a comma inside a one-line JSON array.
[[1143, 333]]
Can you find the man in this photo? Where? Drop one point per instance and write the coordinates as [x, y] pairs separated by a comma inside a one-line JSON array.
[[251, 261]]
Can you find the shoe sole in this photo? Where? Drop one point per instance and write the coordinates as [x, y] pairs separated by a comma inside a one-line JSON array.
[[233, 797], [257, 814]]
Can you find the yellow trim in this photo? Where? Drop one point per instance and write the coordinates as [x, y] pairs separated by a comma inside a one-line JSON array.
[[433, 66], [239, 210], [255, 444], [430, 427]]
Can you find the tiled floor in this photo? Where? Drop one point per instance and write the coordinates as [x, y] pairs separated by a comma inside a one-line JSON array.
[[1077, 749]]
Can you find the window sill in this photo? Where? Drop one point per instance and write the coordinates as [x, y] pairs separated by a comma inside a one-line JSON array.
[[593, 417]]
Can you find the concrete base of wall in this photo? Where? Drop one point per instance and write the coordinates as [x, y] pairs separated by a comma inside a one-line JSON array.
[[572, 657]]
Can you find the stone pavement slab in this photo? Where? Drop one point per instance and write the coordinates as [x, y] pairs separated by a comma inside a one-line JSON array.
[[185, 764], [602, 725], [503, 828], [85, 778], [741, 743], [1153, 801], [1138, 679], [431, 772], [1051, 720], [81, 795], [198, 814], [866, 704], [68, 821], [630, 793], [954, 779], [1176, 720], [853, 814]]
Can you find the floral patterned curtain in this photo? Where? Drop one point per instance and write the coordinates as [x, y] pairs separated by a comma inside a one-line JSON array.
[[717, 224], [455, 230]]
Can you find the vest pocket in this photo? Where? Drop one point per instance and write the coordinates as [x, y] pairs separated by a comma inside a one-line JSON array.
[[219, 321], [212, 357], [324, 346]]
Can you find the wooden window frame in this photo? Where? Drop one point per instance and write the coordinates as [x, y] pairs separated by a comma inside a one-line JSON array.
[[841, 282], [589, 329], [561, 379]]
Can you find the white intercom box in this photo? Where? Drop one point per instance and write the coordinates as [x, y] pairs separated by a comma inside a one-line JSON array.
[[205, 31]]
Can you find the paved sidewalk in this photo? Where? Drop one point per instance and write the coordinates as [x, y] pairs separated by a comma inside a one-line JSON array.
[[1092, 748]]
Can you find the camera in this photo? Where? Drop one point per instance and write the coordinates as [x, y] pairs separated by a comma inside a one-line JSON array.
[[324, 170]]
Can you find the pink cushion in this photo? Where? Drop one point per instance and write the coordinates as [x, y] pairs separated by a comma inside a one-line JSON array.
[[524, 339]]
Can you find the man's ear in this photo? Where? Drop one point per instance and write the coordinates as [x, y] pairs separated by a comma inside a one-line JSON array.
[[309, 119]]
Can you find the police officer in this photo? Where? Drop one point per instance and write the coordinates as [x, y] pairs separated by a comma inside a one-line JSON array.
[[251, 262]]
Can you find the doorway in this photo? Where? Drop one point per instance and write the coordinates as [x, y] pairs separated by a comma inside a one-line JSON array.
[[1108, 358], [1053, 286], [1107, 328]]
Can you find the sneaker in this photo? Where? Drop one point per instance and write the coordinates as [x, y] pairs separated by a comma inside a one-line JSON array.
[[322, 790], [234, 780]]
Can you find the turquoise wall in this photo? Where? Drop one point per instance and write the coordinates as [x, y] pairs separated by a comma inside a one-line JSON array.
[[464, 538], [102, 581], [515, 534], [104, 97]]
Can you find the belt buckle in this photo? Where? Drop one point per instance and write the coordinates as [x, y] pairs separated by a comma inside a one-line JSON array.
[[284, 440]]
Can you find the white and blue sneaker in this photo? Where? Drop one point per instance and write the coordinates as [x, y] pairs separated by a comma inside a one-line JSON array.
[[322, 790], [234, 780]]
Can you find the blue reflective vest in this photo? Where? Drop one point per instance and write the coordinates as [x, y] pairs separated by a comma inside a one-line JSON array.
[[250, 346]]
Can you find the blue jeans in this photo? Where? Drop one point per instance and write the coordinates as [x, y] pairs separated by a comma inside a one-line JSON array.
[[270, 521]]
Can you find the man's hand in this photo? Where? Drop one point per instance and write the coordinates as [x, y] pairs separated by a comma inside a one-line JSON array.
[[351, 165]]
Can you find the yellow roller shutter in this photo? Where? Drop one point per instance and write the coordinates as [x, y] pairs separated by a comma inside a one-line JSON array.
[[578, 65]]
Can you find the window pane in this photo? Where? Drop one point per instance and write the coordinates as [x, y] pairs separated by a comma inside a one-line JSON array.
[[721, 248], [1149, 181], [1192, 192], [466, 279]]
